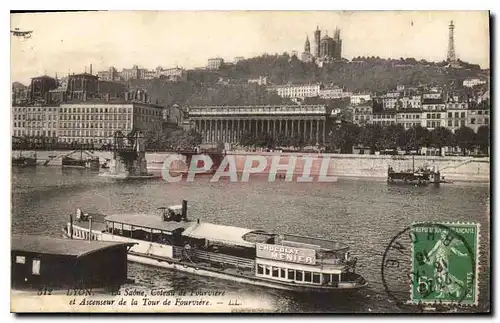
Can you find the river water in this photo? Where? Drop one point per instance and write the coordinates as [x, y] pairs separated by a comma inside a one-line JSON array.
[[366, 214]]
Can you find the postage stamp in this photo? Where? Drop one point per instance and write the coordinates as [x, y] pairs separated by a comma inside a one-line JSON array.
[[445, 263]]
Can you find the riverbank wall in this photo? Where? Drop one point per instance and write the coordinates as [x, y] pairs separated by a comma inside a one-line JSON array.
[[454, 168]]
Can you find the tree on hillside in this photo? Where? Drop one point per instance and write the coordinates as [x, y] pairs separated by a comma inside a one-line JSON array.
[[441, 137], [465, 138], [483, 139]]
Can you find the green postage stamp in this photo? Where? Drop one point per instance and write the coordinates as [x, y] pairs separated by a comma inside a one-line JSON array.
[[445, 263]]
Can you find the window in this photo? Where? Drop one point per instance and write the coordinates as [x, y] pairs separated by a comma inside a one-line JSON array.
[[298, 275], [291, 274], [275, 272], [20, 260], [456, 114], [486, 120], [268, 270], [450, 123], [473, 121], [462, 123], [316, 278], [282, 273], [450, 114], [260, 269], [462, 115], [36, 267], [480, 112], [307, 276]]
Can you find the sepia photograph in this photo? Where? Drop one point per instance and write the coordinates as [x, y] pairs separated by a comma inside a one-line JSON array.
[[321, 162]]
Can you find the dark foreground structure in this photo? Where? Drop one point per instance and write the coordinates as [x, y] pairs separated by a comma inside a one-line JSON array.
[[46, 262]]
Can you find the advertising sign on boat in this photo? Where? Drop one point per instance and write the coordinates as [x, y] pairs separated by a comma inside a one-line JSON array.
[[287, 254]]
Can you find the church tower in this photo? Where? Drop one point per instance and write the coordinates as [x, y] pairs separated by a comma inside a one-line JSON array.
[[317, 39], [307, 46]]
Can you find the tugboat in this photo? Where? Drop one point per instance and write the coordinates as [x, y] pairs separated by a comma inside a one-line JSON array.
[[89, 162], [418, 177], [22, 161], [256, 257]]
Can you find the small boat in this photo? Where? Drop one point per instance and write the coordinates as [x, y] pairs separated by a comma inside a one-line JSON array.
[[89, 162], [418, 177], [23, 161], [256, 257]]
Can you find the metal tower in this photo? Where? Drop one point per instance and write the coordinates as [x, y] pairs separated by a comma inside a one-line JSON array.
[[451, 43]]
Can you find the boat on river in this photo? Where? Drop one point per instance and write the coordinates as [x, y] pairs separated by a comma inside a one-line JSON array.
[[171, 240], [421, 176], [24, 161]]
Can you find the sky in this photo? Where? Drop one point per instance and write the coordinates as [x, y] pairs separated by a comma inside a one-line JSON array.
[[65, 43]]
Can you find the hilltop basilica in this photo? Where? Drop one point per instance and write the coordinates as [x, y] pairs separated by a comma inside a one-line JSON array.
[[325, 49]]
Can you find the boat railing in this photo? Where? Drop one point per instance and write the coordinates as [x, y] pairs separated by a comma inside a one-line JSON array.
[[213, 257], [330, 261]]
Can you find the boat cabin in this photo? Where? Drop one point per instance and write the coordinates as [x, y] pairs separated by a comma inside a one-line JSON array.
[[304, 260], [146, 228], [223, 239], [40, 261]]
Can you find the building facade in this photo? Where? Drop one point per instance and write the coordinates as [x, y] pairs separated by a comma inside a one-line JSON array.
[[360, 98], [384, 118], [230, 123], [477, 117], [214, 63], [85, 122], [362, 114], [297, 91], [409, 118], [472, 82]]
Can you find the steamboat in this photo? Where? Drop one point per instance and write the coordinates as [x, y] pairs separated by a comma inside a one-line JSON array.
[[24, 161], [171, 240], [421, 176]]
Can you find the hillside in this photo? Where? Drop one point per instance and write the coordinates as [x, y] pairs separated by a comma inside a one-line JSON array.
[[229, 84]]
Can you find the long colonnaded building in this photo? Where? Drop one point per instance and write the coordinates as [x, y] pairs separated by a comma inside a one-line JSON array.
[[230, 123]]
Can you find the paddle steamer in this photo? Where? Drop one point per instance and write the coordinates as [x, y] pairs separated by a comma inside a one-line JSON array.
[[256, 257]]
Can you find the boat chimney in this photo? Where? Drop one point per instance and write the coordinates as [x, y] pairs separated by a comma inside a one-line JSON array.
[[184, 209]]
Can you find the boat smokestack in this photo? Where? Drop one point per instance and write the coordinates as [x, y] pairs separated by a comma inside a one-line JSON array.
[[71, 226], [184, 209]]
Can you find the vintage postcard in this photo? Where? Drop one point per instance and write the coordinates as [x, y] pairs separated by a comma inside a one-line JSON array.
[[250, 161]]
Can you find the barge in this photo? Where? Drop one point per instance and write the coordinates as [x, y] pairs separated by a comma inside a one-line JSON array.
[[23, 161], [172, 241]]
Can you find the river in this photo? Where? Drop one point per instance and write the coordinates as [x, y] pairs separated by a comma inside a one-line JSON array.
[[366, 214]]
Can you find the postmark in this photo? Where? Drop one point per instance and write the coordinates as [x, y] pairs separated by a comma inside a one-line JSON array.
[[433, 263]]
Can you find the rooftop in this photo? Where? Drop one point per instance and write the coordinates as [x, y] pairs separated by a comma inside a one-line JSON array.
[[147, 221], [220, 233], [59, 246]]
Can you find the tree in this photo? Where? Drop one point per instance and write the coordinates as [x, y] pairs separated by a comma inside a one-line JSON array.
[[417, 137], [441, 137], [264, 140], [343, 137], [483, 139], [371, 136], [282, 140], [247, 139], [465, 138], [393, 136]]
